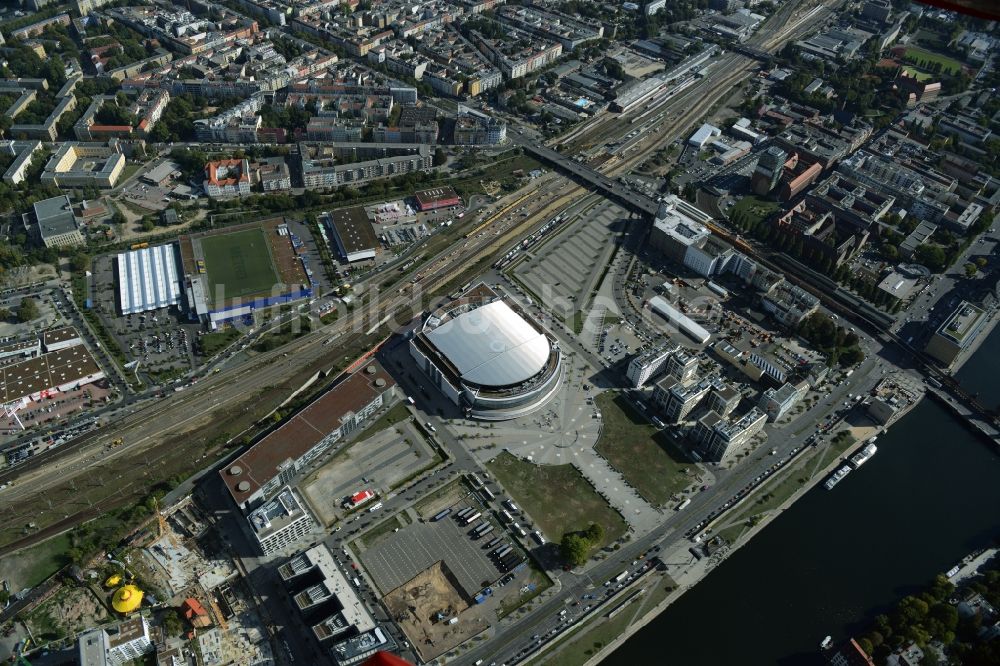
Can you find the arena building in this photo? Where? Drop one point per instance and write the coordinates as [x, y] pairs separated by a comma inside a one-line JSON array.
[[487, 356]]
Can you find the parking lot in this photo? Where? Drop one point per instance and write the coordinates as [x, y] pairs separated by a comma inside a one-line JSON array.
[[564, 271], [378, 463], [150, 197], [162, 341], [417, 547], [48, 315], [55, 408]]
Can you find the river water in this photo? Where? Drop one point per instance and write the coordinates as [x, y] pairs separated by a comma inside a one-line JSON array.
[[837, 558]]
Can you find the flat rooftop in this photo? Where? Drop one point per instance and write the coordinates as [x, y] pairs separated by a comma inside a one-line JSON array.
[[318, 558], [965, 320], [276, 515], [46, 372], [353, 229], [262, 462], [57, 335], [436, 196]]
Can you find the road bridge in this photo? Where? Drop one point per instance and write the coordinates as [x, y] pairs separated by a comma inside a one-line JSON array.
[[751, 52], [965, 405], [597, 181]]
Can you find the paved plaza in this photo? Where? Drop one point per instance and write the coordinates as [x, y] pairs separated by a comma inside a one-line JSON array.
[[564, 431]]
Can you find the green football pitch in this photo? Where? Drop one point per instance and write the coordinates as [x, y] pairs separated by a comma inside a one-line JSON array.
[[240, 262]]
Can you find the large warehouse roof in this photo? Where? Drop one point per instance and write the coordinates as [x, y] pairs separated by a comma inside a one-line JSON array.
[[147, 279], [492, 345]]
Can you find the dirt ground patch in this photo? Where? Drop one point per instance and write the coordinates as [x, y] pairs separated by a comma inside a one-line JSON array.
[[69, 612], [418, 604]]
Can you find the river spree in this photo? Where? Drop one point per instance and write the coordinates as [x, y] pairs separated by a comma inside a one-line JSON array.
[[836, 558], [980, 374]]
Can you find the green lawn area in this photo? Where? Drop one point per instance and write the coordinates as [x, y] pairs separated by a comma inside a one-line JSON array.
[[444, 496], [396, 413], [30, 567], [918, 74], [790, 480], [842, 441], [373, 536], [239, 262], [753, 208], [948, 65], [212, 343], [930, 39], [534, 487], [772, 497], [644, 456], [128, 172], [535, 577]]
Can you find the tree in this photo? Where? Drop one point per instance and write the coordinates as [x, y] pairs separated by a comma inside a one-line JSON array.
[[574, 548], [172, 623], [851, 356], [4, 314], [890, 252], [931, 256], [595, 533], [440, 157], [79, 262], [971, 270], [28, 310]]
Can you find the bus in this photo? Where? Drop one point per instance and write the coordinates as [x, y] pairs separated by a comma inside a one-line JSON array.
[[621, 577], [683, 504], [464, 512], [440, 515], [473, 518], [475, 480], [488, 493]]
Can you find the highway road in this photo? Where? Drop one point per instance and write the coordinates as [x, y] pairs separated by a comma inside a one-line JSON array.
[[150, 430], [512, 639]]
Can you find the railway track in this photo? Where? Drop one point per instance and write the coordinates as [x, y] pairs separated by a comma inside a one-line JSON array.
[[150, 429]]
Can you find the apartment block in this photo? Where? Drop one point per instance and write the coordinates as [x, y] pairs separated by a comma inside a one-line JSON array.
[[644, 366], [519, 53], [731, 437]]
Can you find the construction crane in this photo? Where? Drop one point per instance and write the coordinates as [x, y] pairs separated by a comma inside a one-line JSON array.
[[161, 521], [217, 612]]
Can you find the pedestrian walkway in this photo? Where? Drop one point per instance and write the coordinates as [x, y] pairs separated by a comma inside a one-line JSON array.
[[564, 432]]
